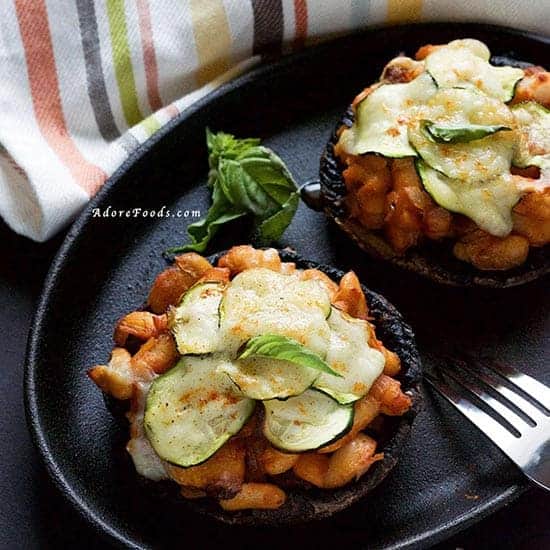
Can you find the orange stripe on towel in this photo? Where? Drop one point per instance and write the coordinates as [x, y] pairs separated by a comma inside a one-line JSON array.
[[300, 16], [35, 33], [149, 55]]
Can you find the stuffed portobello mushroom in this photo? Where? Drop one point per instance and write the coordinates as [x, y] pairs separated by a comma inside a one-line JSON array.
[[258, 383], [443, 167]]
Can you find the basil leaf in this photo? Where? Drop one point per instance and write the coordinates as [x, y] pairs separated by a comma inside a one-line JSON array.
[[202, 231], [273, 227], [226, 146], [459, 134], [243, 191], [246, 178], [275, 346]]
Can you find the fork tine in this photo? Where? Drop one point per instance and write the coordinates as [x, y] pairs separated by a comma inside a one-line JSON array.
[[535, 389], [472, 386], [489, 378], [495, 431]]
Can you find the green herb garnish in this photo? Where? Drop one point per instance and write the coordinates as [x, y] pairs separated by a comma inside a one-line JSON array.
[[275, 346], [459, 134], [246, 179]]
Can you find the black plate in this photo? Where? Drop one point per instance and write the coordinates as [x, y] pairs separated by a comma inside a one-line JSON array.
[[448, 477]]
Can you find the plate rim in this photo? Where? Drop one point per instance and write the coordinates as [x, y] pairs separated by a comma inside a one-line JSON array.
[[71, 239]]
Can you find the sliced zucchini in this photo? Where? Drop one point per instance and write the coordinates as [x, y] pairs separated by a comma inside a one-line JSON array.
[[306, 422], [262, 378], [489, 204], [350, 355], [381, 119], [193, 409], [477, 160], [273, 366], [195, 322], [465, 63], [260, 301]]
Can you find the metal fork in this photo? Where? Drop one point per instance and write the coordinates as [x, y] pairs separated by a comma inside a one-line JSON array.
[[509, 407]]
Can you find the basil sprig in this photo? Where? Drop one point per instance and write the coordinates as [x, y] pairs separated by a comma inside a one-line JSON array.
[[275, 346], [459, 134], [246, 179]]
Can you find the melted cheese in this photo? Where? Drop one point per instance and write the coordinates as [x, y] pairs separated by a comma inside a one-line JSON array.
[[350, 355], [265, 378], [194, 323], [261, 301], [489, 204], [534, 140], [465, 63], [382, 118], [478, 160], [146, 462]]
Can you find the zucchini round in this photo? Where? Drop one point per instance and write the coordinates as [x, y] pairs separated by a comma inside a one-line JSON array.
[[489, 204], [381, 122], [306, 422], [475, 160], [193, 409], [195, 321], [263, 378]]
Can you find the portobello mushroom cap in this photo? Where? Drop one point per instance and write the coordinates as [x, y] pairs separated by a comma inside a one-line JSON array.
[[304, 501], [431, 259]]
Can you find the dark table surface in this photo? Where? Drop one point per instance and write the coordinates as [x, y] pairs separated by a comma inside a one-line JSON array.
[[34, 515]]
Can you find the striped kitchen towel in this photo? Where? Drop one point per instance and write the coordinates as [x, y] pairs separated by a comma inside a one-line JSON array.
[[84, 82]]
